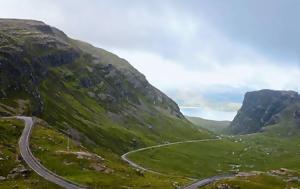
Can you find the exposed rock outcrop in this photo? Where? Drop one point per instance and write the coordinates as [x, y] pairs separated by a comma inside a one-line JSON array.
[[29, 49], [262, 108]]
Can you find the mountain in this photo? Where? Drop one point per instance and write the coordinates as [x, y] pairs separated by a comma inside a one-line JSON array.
[[264, 108], [211, 125], [86, 92]]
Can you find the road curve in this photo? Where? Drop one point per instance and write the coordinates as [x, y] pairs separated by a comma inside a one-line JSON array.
[[34, 164], [206, 181], [135, 165], [195, 185]]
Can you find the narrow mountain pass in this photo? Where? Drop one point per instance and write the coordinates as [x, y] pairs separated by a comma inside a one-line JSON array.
[[34, 164]]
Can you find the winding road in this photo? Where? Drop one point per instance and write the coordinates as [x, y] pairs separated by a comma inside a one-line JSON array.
[[195, 185], [134, 165], [34, 164]]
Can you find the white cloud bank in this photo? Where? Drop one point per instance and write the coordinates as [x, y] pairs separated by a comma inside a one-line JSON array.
[[189, 84]]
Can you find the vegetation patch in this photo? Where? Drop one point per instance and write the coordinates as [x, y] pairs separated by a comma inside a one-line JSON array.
[[229, 155]]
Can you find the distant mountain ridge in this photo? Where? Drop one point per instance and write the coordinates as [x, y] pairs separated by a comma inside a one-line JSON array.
[[218, 127], [264, 108]]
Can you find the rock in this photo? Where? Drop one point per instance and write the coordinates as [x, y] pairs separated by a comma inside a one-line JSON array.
[[20, 170], [297, 114], [91, 94], [223, 186], [12, 176], [2, 178], [244, 174], [105, 97], [98, 167], [176, 185], [108, 171], [281, 172], [139, 172], [260, 109], [86, 82], [293, 179]]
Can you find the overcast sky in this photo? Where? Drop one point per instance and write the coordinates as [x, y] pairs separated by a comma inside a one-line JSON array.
[[205, 54]]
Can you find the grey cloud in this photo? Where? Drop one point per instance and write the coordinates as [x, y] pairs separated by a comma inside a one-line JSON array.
[[269, 26], [272, 26]]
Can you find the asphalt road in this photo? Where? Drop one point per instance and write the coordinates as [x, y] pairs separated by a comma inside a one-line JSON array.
[[195, 185], [204, 182], [134, 165], [34, 164]]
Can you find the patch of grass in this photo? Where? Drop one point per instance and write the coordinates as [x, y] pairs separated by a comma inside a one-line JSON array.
[[10, 131], [71, 107], [261, 181], [48, 145], [211, 125], [204, 159]]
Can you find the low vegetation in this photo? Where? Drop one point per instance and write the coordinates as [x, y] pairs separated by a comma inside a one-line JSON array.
[[275, 179], [218, 127], [96, 168], [13, 171], [228, 155]]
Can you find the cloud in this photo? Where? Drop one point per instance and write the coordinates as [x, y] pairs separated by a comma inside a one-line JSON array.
[[204, 86], [203, 54], [269, 26], [208, 114], [256, 73]]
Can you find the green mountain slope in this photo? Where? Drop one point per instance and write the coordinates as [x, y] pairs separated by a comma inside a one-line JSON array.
[[88, 93], [211, 125]]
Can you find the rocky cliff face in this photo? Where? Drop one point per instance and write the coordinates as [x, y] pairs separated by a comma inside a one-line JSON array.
[[262, 108], [29, 49], [92, 94]]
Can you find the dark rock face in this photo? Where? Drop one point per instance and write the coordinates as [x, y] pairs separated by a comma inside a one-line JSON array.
[[297, 115], [29, 49], [261, 108]]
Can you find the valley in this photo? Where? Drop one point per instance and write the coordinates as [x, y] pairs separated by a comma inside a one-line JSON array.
[[98, 123]]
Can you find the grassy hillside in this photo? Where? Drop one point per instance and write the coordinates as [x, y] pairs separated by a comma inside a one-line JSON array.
[[93, 97], [211, 125], [96, 97], [96, 168]]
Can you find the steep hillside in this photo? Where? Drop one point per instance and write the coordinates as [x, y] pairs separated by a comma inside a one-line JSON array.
[[88, 93], [264, 108], [211, 125]]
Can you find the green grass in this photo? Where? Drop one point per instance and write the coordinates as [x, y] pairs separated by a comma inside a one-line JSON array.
[[211, 125], [10, 131], [71, 107], [46, 143], [260, 181], [204, 159]]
